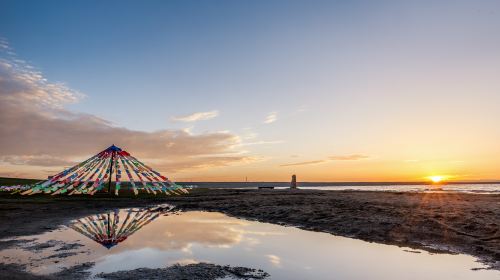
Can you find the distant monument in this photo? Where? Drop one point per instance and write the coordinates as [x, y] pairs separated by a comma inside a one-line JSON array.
[[293, 184]]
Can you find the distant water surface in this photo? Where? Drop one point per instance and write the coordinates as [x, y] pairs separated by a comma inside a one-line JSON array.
[[467, 188]]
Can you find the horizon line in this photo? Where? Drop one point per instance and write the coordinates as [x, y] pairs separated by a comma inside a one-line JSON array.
[[487, 181]]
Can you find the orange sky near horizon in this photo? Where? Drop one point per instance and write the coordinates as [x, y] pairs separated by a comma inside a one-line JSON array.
[[366, 170]]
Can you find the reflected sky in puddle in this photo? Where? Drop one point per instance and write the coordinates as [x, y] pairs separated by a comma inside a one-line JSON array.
[[134, 238]]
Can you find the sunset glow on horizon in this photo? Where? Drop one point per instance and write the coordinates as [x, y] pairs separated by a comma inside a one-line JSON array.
[[436, 179], [258, 91]]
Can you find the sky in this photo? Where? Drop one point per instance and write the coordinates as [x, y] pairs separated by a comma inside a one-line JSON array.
[[229, 90]]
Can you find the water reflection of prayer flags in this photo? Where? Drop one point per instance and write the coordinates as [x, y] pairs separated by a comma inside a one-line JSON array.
[[108, 229]]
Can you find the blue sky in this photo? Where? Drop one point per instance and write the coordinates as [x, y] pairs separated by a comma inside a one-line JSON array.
[[178, 56], [341, 77]]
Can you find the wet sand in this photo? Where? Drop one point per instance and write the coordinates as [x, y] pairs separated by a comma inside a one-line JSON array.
[[199, 271], [452, 222]]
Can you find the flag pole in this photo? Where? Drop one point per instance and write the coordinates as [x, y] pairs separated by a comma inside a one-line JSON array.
[[111, 171]]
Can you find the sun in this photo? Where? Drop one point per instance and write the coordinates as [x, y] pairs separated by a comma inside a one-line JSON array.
[[436, 179]]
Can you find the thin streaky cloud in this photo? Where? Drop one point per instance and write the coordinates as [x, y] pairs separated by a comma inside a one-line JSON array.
[[304, 163], [37, 160], [353, 157], [261, 143], [272, 117], [349, 157], [198, 116], [249, 133]]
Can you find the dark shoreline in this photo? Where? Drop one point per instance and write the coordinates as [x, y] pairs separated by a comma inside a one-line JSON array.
[[453, 222]]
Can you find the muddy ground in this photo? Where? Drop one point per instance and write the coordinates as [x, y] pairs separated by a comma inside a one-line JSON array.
[[456, 222]]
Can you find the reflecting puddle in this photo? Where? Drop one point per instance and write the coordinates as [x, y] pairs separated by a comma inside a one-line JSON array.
[[109, 229], [134, 238]]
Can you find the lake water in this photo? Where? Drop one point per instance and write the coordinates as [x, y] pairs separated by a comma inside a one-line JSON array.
[[465, 188], [133, 238]]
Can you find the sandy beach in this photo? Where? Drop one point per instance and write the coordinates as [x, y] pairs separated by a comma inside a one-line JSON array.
[[437, 222]]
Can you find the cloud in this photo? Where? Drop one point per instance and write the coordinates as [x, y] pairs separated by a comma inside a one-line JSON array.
[[353, 157], [262, 143], [37, 160], [272, 117], [204, 162], [15, 174], [349, 157], [199, 116], [37, 130], [249, 134], [305, 163]]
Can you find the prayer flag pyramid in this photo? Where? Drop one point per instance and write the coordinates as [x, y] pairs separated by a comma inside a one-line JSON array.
[[97, 172]]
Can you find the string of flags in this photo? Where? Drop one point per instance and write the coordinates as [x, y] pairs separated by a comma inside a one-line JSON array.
[[97, 172]]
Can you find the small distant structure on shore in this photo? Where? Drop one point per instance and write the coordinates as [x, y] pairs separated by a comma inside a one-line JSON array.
[[293, 184]]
